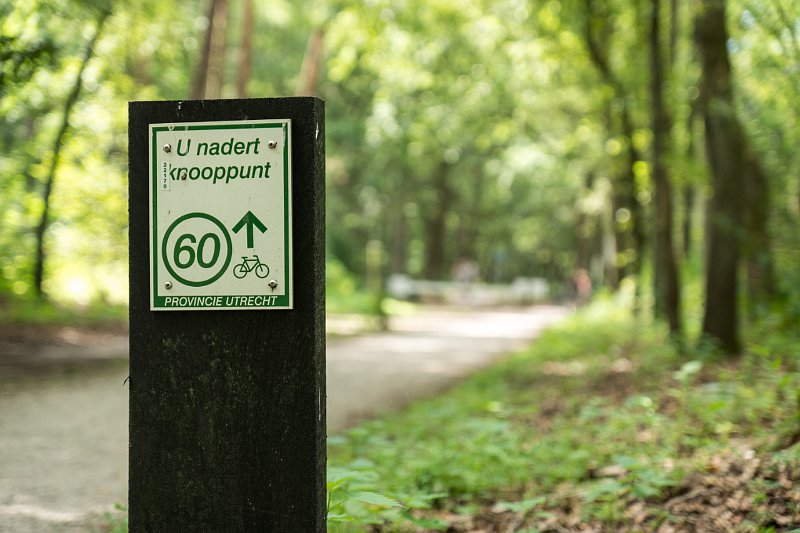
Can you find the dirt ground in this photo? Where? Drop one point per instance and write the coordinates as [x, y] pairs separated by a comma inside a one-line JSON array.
[[737, 492]]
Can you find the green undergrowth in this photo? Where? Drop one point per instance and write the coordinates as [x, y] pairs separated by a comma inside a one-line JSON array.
[[343, 294], [15, 311], [600, 413]]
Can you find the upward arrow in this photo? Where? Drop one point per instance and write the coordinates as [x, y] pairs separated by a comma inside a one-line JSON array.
[[249, 220]]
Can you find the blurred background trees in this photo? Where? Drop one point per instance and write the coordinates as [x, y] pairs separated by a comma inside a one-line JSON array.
[[650, 144]]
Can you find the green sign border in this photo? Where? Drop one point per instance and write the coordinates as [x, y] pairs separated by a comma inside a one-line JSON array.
[[279, 302]]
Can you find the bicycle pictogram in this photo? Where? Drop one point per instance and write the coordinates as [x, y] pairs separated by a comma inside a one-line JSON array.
[[251, 264]]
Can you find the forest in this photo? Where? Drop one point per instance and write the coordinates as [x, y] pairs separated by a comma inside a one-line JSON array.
[[641, 151], [648, 144]]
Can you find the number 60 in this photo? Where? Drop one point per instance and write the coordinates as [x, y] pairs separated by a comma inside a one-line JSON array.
[[199, 255]]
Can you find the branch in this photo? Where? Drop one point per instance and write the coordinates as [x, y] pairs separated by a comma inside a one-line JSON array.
[[69, 103]]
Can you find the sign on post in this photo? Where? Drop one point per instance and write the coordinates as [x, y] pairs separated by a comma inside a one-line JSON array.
[[227, 389], [220, 224]]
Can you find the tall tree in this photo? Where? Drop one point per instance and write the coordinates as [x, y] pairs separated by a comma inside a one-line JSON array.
[[759, 263], [436, 223], [198, 89], [58, 142], [688, 192], [666, 285], [725, 148], [209, 74], [311, 69], [245, 49], [215, 76], [596, 32], [767, 44]]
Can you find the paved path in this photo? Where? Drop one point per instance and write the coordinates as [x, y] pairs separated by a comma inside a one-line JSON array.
[[63, 426], [422, 355]]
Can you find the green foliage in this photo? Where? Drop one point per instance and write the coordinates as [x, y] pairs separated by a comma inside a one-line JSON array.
[[348, 505], [602, 408], [147, 52], [342, 291], [29, 312], [473, 157], [87, 241], [116, 522], [479, 129]]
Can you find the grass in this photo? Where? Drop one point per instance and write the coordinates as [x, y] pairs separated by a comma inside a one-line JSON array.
[[32, 312], [601, 416]]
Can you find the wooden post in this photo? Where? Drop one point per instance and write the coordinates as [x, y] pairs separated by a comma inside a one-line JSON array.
[[227, 403]]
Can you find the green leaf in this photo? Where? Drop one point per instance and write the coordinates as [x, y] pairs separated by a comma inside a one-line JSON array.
[[522, 506], [430, 523], [339, 518], [373, 498], [607, 487], [627, 462], [338, 477], [688, 370]]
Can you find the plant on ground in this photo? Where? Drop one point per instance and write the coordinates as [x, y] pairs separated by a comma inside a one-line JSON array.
[[602, 418], [31, 312], [343, 294], [602, 411]]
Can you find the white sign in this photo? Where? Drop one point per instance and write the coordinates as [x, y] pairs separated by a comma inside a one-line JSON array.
[[220, 215]]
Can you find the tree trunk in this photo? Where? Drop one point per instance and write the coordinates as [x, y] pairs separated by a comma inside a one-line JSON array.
[[584, 229], [666, 287], [609, 246], [688, 195], [437, 225], [759, 264], [471, 218], [215, 78], [399, 230], [201, 72], [44, 221], [625, 187], [688, 192], [674, 19], [725, 144], [245, 49], [312, 64], [630, 192], [209, 76]]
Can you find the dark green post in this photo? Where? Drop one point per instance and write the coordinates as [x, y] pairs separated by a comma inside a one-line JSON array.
[[227, 406]]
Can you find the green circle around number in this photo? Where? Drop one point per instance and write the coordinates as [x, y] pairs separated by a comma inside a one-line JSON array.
[[219, 273]]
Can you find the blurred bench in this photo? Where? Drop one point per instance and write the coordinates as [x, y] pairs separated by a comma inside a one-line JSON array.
[[521, 291]]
